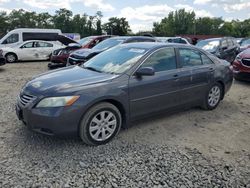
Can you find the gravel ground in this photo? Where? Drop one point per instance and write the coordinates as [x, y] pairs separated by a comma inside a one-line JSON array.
[[193, 148]]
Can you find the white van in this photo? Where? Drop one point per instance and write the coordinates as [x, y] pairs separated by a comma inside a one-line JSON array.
[[18, 36]]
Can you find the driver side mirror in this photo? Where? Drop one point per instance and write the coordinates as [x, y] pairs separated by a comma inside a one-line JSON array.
[[145, 71]]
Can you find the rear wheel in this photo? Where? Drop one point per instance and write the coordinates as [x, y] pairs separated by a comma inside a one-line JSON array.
[[100, 124], [11, 57], [213, 97]]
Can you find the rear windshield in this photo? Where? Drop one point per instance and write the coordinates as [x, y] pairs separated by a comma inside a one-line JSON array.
[[85, 41], [245, 42], [208, 45], [109, 43]]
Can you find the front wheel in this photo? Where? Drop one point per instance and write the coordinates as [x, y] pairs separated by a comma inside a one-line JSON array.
[[11, 57], [213, 97], [100, 124]]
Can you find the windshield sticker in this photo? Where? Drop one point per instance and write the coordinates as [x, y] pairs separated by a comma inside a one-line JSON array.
[[137, 50]]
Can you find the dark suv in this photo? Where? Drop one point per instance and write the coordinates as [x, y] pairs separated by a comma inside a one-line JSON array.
[[59, 57], [82, 55], [2, 59], [224, 48]]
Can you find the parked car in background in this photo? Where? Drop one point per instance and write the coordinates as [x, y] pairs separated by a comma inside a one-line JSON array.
[[224, 48], [239, 40], [241, 66], [124, 83], [180, 40], [35, 49], [82, 55], [245, 43], [2, 59], [59, 57], [30, 50], [18, 36]]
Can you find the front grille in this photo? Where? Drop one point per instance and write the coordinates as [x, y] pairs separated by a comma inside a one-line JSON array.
[[74, 61], [246, 62], [26, 99]]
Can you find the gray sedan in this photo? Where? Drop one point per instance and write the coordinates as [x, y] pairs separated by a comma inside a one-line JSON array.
[[122, 84]]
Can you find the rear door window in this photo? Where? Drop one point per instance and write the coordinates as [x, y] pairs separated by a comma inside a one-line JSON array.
[[28, 45], [43, 45], [224, 44], [190, 57]]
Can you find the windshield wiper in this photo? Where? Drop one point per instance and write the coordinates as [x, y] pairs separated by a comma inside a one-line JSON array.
[[92, 68]]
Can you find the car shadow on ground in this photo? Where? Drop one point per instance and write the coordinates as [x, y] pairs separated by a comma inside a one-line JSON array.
[[166, 120], [2, 69], [243, 82]]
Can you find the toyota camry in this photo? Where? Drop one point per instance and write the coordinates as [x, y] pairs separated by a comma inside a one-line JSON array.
[[124, 83]]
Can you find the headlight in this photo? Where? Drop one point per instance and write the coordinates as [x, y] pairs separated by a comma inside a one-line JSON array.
[[57, 101], [238, 58]]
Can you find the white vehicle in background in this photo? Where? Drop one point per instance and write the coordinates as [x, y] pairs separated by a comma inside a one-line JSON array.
[[18, 36], [30, 50], [180, 40]]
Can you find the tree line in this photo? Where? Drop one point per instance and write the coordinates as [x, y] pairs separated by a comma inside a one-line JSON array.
[[177, 22], [181, 22], [63, 19]]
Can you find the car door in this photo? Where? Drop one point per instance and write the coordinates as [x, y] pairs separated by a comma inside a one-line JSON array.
[[192, 60], [224, 50], [231, 50], [43, 50], [26, 51], [149, 94]]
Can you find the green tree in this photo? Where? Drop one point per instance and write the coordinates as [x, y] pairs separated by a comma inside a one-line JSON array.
[[3, 23], [44, 20], [63, 20], [117, 26], [178, 22]]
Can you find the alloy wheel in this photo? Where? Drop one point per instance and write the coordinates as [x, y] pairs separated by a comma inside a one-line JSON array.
[[103, 125], [214, 96], [11, 58]]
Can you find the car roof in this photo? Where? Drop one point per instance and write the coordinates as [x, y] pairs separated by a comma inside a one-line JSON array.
[[132, 37], [53, 42], [153, 45]]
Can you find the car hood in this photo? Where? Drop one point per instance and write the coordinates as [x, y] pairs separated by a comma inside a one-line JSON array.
[[61, 81], [245, 53], [65, 40], [86, 53]]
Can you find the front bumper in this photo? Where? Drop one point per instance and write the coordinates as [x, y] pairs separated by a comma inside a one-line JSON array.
[[2, 61], [58, 61], [242, 76], [240, 71], [60, 121]]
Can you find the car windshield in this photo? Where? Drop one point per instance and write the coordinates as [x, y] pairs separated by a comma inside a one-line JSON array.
[[106, 44], [85, 41], [116, 60], [245, 42], [208, 45]]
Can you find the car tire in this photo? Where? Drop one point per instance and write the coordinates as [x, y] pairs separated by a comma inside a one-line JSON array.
[[213, 97], [11, 57], [100, 124]]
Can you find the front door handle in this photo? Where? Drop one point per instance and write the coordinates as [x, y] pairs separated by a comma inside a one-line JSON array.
[[211, 69], [176, 77]]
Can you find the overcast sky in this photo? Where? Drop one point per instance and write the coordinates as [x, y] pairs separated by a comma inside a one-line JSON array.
[[140, 13]]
